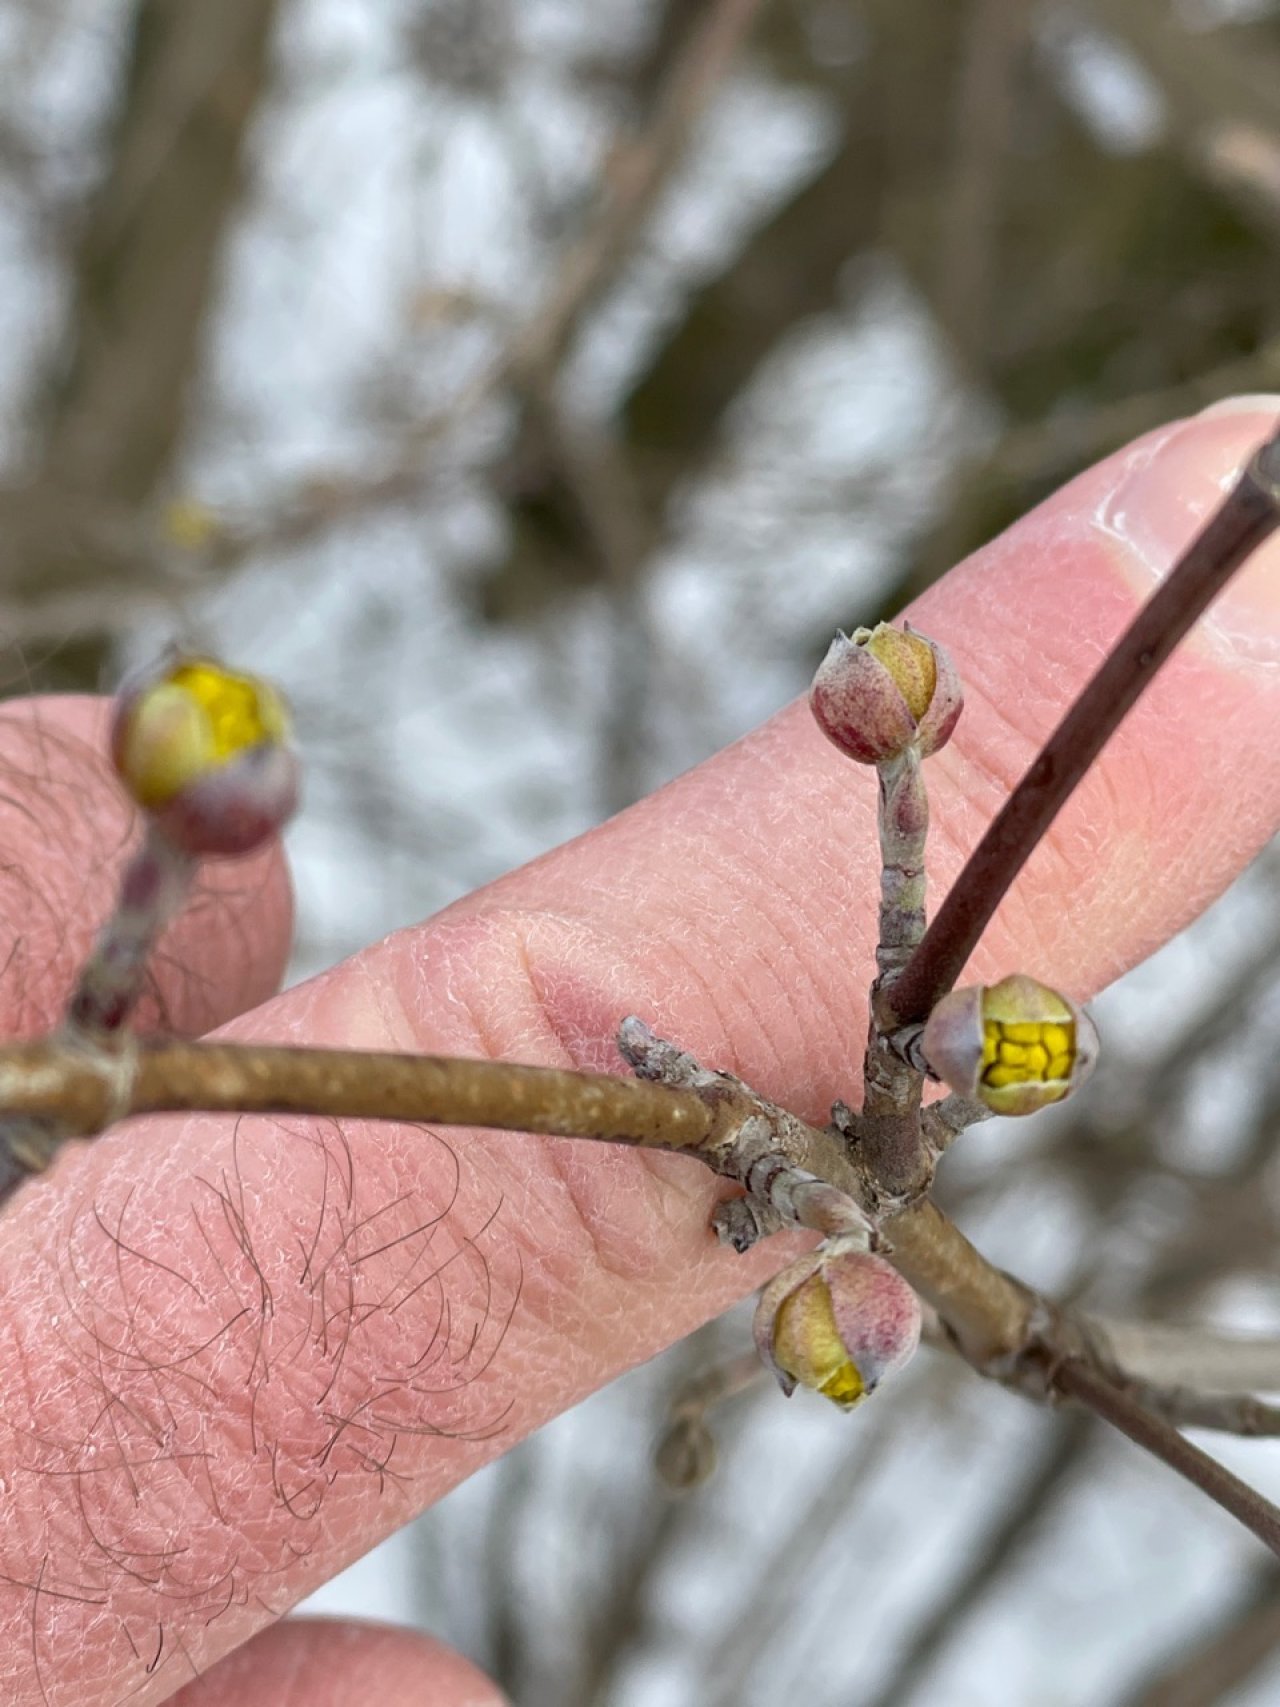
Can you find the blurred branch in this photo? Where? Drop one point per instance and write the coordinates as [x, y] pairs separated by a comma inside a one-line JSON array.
[[507, 1634], [711, 1385], [995, 40], [144, 219], [1012, 1528], [1227, 1413], [1232, 1651], [1224, 98], [1034, 457], [1133, 289], [1208, 1359], [630, 1604], [597, 474], [145, 271], [639, 173], [779, 1574], [794, 265], [676, 22], [1153, 1434]]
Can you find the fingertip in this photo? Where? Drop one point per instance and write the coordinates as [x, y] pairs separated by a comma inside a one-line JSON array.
[[322, 1662], [1188, 788]]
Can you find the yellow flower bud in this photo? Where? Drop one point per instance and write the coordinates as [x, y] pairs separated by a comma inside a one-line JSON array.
[[189, 524], [837, 1322], [1015, 1046], [204, 751]]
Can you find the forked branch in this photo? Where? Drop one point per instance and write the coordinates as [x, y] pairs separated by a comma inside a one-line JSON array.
[[862, 1181]]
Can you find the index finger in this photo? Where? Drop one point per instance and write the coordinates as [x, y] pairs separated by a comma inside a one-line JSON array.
[[236, 1353]]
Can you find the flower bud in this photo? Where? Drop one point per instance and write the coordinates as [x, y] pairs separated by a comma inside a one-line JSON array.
[[204, 752], [1015, 1046], [837, 1322], [885, 690]]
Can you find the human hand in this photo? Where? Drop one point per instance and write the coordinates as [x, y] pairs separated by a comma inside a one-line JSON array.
[[235, 1354]]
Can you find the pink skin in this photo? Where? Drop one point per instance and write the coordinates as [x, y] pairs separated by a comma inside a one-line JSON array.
[[171, 1454], [315, 1662]]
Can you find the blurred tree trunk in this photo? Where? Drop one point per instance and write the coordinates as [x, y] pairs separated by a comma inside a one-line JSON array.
[[893, 103], [143, 277], [1135, 286]]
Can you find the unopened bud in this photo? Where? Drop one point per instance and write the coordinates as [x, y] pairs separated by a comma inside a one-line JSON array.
[[838, 1323], [686, 1454], [885, 690], [205, 753], [1015, 1046]]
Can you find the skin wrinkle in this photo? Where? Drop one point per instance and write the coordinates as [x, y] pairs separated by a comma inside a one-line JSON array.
[[695, 948], [791, 923], [616, 1246], [594, 1183]]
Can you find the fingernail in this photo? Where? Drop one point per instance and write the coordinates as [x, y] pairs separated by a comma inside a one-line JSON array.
[[1168, 488], [1264, 403]]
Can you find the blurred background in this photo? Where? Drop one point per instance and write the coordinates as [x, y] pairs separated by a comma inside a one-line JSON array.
[[531, 387]]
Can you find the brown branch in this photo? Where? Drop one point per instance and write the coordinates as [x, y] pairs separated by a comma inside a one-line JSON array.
[[988, 1313], [992, 1318], [83, 1092], [1078, 1380], [1248, 515]]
